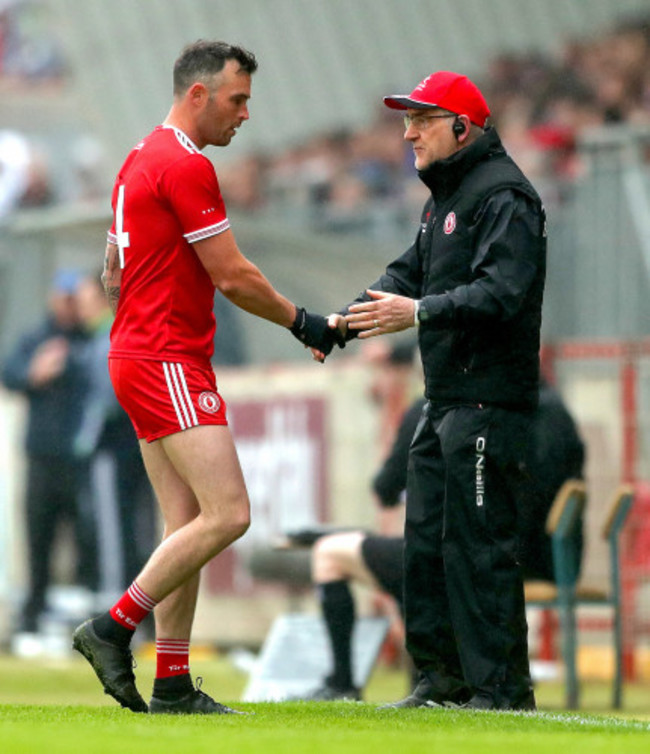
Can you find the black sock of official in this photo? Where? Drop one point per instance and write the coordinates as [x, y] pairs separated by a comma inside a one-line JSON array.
[[172, 687], [110, 630], [338, 612]]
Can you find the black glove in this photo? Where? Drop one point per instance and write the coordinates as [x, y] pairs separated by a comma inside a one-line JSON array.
[[313, 331]]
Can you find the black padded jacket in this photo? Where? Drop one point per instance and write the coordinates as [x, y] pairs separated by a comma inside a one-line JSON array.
[[478, 266]]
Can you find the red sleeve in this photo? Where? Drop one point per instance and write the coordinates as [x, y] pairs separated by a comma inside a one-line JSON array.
[[192, 188]]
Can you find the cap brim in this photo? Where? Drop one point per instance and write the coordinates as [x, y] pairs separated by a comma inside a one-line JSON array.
[[403, 102]]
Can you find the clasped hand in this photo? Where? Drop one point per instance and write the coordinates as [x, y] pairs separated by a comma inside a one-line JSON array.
[[314, 332], [384, 313]]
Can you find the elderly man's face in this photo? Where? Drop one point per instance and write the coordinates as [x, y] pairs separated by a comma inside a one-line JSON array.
[[430, 133]]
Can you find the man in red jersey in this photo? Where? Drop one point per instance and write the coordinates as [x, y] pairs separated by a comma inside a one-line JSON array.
[[169, 248]]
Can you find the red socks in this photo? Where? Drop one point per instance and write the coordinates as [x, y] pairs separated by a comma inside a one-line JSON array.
[[132, 607], [172, 657]]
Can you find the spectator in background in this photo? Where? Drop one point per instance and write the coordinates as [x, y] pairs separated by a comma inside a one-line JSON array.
[[29, 51], [14, 170], [555, 453], [342, 557], [374, 560], [42, 368], [24, 180], [116, 488]]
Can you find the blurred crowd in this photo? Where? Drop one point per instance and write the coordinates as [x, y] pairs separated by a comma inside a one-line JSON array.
[[85, 483], [30, 175], [29, 52], [363, 180], [37, 171]]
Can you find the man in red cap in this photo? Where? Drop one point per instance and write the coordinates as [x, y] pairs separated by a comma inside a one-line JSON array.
[[472, 283]]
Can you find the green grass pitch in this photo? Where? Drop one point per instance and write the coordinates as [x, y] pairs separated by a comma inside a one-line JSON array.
[[54, 707]]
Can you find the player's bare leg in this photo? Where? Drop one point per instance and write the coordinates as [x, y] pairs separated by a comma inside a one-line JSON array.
[[200, 470], [199, 465], [202, 495], [174, 615]]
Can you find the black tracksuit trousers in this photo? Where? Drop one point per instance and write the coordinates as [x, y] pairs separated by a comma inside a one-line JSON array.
[[52, 497], [463, 591]]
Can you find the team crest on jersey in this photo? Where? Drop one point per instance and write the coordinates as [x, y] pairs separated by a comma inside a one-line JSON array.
[[209, 402], [450, 223]]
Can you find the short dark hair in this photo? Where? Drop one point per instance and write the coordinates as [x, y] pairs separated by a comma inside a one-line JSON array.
[[203, 59]]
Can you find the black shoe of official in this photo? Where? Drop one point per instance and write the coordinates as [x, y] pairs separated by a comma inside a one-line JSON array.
[[481, 701], [425, 695], [112, 664], [195, 702], [327, 693]]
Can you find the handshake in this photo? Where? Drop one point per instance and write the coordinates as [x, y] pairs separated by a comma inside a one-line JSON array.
[[314, 332], [373, 313]]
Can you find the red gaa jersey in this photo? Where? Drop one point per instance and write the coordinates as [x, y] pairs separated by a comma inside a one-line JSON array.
[[165, 198]]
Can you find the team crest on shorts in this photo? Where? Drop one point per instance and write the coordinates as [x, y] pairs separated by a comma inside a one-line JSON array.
[[450, 223], [209, 402]]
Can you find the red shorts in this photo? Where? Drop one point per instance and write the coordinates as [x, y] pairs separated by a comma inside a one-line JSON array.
[[163, 397]]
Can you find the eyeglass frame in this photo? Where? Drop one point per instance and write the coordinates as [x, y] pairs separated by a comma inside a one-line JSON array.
[[424, 119]]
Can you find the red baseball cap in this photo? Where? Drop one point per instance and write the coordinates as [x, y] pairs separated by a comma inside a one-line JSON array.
[[448, 90]]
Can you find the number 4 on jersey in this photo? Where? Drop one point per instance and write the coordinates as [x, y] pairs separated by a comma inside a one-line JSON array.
[[122, 235]]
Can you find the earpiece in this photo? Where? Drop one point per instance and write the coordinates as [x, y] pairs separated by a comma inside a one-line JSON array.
[[458, 128]]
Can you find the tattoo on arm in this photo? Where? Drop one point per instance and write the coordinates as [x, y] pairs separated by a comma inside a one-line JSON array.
[[111, 277], [113, 295]]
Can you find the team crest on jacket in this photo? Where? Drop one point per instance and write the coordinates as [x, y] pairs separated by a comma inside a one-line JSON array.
[[450, 223], [209, 402]]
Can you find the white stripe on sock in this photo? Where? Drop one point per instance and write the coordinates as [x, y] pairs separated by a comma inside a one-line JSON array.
[[140, 598]]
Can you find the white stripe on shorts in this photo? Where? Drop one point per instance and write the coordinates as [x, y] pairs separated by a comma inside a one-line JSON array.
[[188, 398], [180, 395]]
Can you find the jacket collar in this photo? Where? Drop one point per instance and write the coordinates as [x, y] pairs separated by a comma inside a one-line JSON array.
[[443, 177]]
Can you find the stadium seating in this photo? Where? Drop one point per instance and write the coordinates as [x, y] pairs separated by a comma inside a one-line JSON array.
[[567, 594]]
